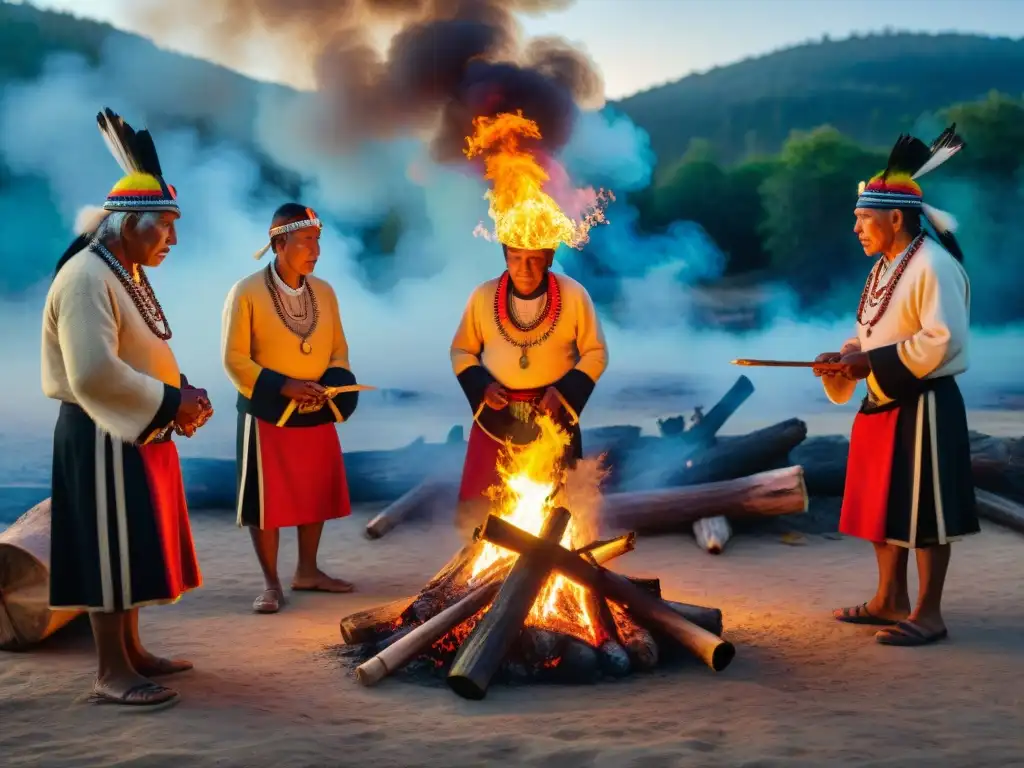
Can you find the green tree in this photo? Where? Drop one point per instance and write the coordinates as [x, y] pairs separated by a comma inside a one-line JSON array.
[[993, 128], [808, 201]]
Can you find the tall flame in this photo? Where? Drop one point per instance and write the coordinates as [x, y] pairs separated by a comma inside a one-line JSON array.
[[524, 215], [531, 478]]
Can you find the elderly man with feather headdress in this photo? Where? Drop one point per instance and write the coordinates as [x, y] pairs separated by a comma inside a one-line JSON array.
[[908, 481], [530, 341], [120, 536], [284, 349]]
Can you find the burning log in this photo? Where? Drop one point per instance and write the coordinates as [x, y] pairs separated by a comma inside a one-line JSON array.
[[1000, 510], [427, 496], [638, 642], [25, 615], [778, 492], [399, 653], [712, 534], [714, 651], [365, 626], [484, 650]]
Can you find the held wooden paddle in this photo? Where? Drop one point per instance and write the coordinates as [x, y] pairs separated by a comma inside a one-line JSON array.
[[329, 393]]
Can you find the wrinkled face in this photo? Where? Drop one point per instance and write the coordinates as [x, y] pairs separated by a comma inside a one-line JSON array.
[[300, 250], [148, 237], [876, 229], [526, 268]]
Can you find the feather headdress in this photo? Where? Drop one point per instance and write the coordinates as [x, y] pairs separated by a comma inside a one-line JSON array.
[[909, 160], [143, 187]]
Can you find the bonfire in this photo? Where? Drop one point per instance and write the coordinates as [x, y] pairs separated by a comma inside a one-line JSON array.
[[528, 599]]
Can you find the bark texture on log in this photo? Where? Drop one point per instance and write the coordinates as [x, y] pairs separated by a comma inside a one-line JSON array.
[[714, 651], [637, 640], [999, 509], [25, 615], [484, 650], [423, 500], [778, 492]]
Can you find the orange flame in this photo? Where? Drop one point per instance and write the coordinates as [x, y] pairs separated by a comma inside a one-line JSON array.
[[531, 477], [524, 215]]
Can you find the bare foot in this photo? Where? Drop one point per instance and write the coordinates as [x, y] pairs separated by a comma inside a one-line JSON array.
[[148, 665], [321, 582]]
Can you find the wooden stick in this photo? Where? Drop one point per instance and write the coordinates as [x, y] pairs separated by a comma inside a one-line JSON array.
[[778, 492], [1000, 510], [789, 364], [405, 649], [425, 495], [487, 645], [705, 618], [714, 651]]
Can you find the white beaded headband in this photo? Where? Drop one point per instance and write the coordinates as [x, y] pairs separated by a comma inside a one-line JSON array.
[[284, 229]]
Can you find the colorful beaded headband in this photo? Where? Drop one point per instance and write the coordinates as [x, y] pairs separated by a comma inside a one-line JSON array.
[[311, 220]]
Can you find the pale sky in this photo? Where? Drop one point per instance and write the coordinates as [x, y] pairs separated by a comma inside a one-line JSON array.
[[640, 43]]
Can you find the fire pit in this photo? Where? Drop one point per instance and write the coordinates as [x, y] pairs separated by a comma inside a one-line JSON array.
[[529, 599]]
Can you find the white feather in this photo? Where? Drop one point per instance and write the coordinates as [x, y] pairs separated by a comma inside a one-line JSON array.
[[937, 159], [88, 220], [942, 221], [259, 254]]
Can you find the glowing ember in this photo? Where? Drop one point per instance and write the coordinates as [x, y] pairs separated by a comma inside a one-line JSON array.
[[531, 476], [524, 215]]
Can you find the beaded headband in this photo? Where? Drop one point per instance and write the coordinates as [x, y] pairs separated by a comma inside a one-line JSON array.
[[311, 220]]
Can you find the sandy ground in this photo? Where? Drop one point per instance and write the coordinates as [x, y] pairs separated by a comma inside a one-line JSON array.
[[803, 690]]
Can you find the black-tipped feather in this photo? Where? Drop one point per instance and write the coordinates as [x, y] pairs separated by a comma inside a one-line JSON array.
[[134, 152], [907, 155]]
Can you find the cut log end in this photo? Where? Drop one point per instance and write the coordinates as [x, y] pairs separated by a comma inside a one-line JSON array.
[[371, 672], [722, 656]]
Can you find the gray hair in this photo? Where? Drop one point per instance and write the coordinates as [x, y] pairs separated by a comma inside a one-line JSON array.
[[112, 226]]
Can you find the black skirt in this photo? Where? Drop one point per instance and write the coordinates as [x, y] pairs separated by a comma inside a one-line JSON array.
[[120, 536], [931, 488]]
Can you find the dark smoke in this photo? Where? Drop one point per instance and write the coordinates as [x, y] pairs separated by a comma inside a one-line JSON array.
[[448, 61]]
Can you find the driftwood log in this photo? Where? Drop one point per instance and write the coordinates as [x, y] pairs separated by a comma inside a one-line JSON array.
[[641, 604], [425, 499], [25, 615], [415, 642], [1001, 510], [484, 650], [777, 492]]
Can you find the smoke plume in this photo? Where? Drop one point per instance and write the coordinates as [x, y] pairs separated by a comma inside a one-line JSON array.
[[447, 62]]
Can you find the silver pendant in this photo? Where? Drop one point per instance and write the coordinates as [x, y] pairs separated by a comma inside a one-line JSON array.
[[524, 361]]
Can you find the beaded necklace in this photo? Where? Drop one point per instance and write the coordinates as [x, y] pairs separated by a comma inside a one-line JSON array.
[[504, 316], [881, 297], [141, 292], [305, 346]]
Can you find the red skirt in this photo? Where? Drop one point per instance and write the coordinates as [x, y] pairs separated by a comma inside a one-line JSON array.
[[290, 476], [167, 493], [869, 475], [480, 470]]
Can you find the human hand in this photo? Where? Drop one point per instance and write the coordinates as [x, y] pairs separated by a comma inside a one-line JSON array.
[[857, 365], [194, 404], [550, 403], [495, 396], [826, 357], [848, 347], [303, 392]]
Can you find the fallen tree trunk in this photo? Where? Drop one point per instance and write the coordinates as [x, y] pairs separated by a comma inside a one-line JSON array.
[[642, 605], [1000, 510], [25, 615], [426, 497], [483, 652], [778, 492]]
